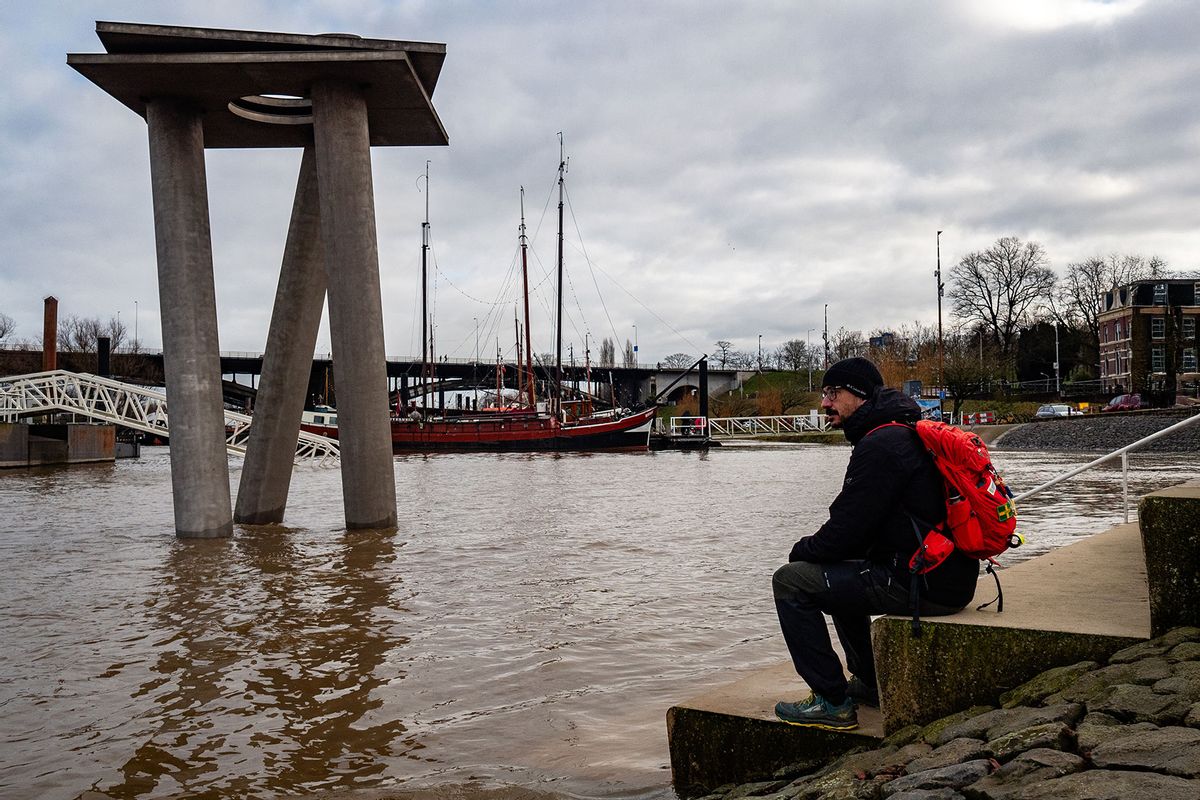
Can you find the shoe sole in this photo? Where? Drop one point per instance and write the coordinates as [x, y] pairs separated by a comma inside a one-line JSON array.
[[825, 726]]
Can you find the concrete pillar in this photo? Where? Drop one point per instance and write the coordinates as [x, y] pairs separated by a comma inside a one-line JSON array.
[[199, 468], [50, 335], [288, 360], [355, 308]]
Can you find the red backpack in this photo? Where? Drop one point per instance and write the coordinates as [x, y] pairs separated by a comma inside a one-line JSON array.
[[981, 520]]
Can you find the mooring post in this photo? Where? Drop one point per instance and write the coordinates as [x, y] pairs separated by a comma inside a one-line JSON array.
[[355, 306], [191, 359]]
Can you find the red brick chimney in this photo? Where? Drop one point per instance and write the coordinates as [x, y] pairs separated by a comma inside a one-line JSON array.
[[50, 335]]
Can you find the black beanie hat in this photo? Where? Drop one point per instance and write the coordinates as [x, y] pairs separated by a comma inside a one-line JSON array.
[[858, 375]]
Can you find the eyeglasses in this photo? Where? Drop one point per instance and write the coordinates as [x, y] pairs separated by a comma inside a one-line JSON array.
[[830, 392]]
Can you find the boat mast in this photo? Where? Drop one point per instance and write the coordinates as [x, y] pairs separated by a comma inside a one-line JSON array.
[[426, 367], [558, 373], [520, 369], [525, 283]]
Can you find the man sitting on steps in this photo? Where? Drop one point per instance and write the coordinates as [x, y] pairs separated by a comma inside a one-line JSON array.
[[856, 564]]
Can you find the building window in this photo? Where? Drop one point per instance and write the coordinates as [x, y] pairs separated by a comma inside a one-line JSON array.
[[1158, 327], [1118, 330], [1189, 327], [1160, 294], [1189, 359], [1158, 359]]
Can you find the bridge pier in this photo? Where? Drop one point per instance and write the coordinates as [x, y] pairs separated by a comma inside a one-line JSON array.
[[287, 362], [347, 202], [191, 360]]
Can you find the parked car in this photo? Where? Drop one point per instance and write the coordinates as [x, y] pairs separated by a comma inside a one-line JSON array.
[[1124, 402], [1057, 410]]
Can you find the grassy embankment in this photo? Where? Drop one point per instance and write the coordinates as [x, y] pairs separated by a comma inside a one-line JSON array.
[[783, 393]]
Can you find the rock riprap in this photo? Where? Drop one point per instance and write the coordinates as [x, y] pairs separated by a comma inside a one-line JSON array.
[[1125, 730]]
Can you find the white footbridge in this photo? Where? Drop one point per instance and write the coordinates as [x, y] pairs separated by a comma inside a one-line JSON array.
[[125, 404], [735, 427]]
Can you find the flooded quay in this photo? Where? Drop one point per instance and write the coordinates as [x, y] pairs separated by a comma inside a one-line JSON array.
[[524, 630]]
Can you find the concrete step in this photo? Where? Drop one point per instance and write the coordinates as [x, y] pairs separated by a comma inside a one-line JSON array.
[[1080, 602]]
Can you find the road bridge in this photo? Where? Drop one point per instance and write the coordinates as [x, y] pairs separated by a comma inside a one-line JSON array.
[[633, 385]]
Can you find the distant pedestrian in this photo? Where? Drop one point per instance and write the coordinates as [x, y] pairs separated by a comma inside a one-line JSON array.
[[856, 564]]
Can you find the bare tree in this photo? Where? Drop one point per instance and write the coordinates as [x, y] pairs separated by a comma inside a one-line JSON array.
[[7, 326], [1082, 288], [739, 359], [1001, 287], [723, 353], [794, 354], [846, 344], [678, 361], [608, 353], [82, 334]]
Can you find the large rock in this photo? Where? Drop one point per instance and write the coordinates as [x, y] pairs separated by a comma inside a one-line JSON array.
[[1048, 736], [1157, 646], [1050, 682], [1142, 704], [1103, 784], [1027, 769], [955, 776], [953, 752], [1172, 751], [944, 793], [1097, 683], [1097, 728], [1002, 721]]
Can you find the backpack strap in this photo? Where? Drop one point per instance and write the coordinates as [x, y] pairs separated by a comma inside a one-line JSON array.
[[999, 598]]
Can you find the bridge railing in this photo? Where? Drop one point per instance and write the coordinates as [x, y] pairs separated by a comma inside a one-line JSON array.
[[764, 426], [124, 404]]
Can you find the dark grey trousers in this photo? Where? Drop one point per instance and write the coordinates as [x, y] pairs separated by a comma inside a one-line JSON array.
[[849, 592]]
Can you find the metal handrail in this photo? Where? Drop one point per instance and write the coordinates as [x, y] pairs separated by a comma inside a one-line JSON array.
[[1123, 453], [124, 404], [760, 426]]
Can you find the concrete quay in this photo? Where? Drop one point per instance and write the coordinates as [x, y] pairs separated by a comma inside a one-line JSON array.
[[1069, 612]]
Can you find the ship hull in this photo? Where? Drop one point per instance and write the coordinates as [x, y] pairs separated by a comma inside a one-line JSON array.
[[517, 433]]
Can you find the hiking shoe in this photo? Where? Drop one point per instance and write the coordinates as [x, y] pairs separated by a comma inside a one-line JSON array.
[[817, 712], [861, 693]]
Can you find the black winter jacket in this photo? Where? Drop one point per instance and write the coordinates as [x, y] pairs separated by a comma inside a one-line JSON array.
[[890, 479]]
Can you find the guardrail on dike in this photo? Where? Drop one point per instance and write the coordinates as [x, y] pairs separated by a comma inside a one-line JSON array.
[[124, 404]]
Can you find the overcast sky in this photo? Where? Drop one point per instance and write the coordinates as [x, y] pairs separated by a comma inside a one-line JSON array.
[[734, 167]]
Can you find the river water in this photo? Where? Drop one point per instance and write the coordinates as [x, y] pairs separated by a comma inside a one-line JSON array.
[[525, 629]]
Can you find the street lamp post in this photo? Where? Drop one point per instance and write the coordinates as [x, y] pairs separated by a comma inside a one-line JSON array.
[[760, 352], [135, 326], [809, 357], [941, 290], [1057, 381]]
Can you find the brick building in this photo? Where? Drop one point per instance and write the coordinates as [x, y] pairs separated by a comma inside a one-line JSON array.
[[1147, 333]]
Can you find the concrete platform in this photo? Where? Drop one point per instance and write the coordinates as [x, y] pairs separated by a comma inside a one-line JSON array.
[[1080, 602], [731, 734]]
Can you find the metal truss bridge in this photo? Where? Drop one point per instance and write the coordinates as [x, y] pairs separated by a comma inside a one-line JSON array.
[[124, 404]]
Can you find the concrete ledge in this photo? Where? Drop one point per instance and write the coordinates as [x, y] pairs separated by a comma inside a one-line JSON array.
[[1170, 525], [1080, 602], [731, 735]]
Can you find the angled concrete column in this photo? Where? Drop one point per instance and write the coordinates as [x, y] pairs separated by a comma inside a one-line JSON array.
[[199, 468], [355, 307], [287, 362]]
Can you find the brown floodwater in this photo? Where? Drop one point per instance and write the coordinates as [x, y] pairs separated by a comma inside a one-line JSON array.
[[523, 631]]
